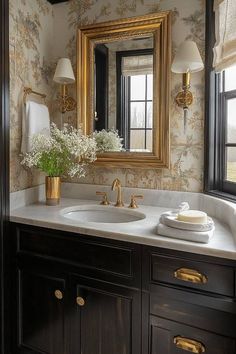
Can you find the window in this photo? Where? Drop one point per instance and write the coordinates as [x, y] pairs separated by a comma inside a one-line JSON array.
[[140, 108], [220, 136], [227, 112]]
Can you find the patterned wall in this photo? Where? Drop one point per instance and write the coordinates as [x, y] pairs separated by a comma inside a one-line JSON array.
[[186, 170], [31, 28]]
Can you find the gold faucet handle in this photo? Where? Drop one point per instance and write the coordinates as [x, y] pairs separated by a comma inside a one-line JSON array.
[[105, 200], [133, 203]]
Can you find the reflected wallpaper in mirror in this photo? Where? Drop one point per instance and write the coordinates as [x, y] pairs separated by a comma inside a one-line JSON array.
[[123, 91]]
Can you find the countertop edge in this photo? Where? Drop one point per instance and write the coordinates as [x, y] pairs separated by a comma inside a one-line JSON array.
[[154, 241]]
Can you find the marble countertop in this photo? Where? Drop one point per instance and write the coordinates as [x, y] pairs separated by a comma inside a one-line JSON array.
[[222, 244]]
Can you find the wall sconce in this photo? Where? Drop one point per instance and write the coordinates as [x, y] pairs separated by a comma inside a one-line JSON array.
[[187, 60], [64, 75]]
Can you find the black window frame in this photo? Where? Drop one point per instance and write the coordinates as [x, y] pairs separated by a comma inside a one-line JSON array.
[[224, 96], [215, 120]]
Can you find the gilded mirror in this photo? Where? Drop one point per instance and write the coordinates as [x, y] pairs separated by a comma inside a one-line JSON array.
[[123, 89]]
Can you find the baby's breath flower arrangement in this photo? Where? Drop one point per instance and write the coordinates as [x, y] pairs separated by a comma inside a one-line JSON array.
[[108, 140], [64, 153]]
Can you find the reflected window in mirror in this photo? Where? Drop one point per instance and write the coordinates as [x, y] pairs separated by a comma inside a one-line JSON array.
[[123, 91], [135, 99]]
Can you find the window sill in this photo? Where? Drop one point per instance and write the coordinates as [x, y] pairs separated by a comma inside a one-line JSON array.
[[219, 194]]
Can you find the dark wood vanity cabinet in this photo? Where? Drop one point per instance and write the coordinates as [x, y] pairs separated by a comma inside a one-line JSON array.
[[88, 295], [76, 294], [191, 301], [42, 310], [108, 319], [64, 313]]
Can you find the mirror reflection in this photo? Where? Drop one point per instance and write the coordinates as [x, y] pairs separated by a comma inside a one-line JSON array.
[[123, 92]]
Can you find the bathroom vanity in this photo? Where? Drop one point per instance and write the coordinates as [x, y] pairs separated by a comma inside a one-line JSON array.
[[81, 294], [88, 289]]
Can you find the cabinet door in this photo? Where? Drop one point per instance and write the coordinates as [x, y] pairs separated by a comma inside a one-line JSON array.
[[106, 318], [168, 337], [41, 311]]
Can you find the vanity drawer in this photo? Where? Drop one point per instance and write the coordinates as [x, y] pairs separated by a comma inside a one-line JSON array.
[[201, 276], [93, 256], [169, 337], [211, 313]]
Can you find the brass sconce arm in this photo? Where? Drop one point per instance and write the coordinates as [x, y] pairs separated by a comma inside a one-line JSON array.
[[185, 97], [65, 102]]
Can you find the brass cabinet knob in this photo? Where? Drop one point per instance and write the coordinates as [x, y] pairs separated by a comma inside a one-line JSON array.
[[80, 301], [190, 275], [58, 294], [189, 345], [133, 203]]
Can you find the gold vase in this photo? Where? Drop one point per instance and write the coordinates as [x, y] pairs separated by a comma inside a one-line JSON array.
[[53, 190]]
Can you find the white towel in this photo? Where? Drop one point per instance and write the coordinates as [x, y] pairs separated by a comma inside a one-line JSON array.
[[35, 120], [195, 236]]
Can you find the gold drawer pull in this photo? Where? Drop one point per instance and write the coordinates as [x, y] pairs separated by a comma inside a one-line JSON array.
[[58, 294], [80, 301], [189, 345], [190, 275]]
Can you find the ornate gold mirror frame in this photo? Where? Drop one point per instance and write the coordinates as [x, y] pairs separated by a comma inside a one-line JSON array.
[[158, 25]]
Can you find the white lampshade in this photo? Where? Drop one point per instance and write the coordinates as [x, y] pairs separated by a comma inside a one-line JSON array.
[[187, 59], [64, 73]]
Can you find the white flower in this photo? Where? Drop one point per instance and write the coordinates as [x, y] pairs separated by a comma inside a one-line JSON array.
[[108, 140], [64, 152], [77, 170]]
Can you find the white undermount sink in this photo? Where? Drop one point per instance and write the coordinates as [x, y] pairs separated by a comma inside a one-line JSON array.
[[102, 214]]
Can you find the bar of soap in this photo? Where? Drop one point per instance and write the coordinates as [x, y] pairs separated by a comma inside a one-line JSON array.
[[192, 216]]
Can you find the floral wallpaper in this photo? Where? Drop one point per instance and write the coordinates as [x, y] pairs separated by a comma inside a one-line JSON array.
[[41, 33], [186, 171], [31, 24]]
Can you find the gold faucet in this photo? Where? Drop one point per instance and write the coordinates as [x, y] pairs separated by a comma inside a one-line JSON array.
[[117, 185]]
